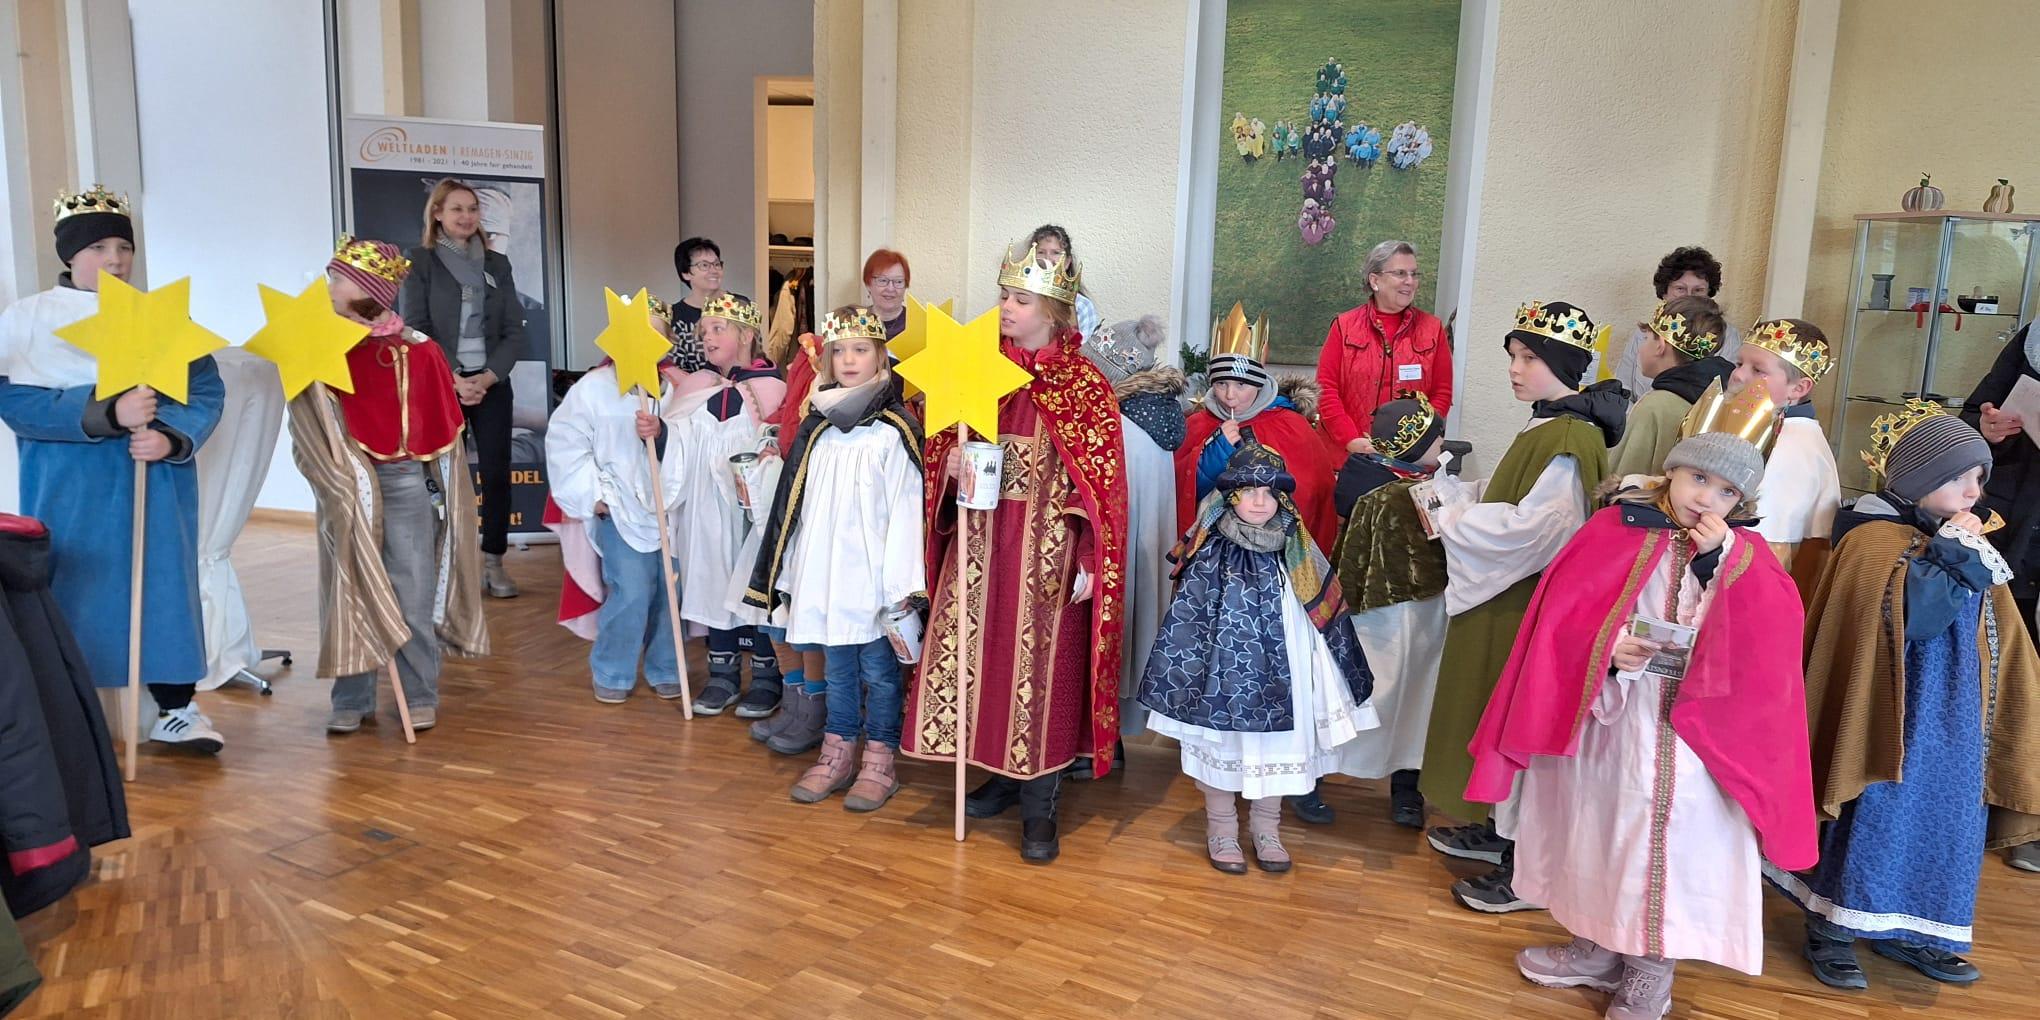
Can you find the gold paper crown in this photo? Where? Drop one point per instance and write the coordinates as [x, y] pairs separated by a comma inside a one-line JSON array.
[[95, 199], [659, 308], [1233, 335], [736, 309], [364, 255], [1568, 325], [1887, 429], [1675, 331], [1410, 427], [1781, 337], [860, 324], [1748, 414], [1058, 280]]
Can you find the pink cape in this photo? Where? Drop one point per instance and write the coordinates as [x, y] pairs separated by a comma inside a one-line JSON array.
[[1741, 708], [581, 590]]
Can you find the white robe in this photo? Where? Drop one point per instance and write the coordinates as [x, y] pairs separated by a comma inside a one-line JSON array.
[[1801, 490], [1490, 546], [1403, 643], [857, 550], [711, 523], [1150, 534], [593, 454], [1586, 835]]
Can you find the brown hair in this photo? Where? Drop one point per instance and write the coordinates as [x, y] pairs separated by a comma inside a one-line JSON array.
[[446, 186], [1809, 331], [367, 307], [1702, 316]]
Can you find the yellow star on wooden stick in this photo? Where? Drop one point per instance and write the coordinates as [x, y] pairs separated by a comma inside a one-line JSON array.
[[631, 342], [142, 338], [306, 338], [914, 338], [963, 372]]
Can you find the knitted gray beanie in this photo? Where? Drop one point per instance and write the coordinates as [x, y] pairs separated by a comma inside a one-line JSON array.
[[1727, 457]]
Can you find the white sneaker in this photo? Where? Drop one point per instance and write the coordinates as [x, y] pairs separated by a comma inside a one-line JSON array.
[[187, 728]]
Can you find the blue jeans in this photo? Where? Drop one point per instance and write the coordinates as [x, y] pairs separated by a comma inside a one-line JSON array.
[[633, 619], [864, 692]]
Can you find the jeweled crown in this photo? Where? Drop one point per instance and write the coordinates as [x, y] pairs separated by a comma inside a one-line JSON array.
[[659, 308], [1058, 280], [1561, 322], [1409, 428], [736, 309], [858, 323], [1748, 414], [365, 256], [1677, 331], [95, 199], [1781, 337], [1235, 336], [1887, 429]]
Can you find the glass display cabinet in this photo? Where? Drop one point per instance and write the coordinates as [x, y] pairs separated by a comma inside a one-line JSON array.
[[1933, 299]]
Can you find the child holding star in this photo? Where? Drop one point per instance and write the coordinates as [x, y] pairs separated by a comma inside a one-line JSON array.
[[76, 457]]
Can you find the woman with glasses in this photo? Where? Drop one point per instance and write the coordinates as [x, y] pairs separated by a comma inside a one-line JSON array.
[[886, 278], [699, 262], [1382, 347]]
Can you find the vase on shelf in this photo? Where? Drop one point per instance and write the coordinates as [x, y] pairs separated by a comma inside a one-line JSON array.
[[1925, 198], [1880, 289], [2000, 200]]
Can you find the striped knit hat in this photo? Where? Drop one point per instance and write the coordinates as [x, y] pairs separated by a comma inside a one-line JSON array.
[[1930, 453]]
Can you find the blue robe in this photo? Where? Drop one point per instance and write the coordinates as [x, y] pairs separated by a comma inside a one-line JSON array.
[[82, 487]]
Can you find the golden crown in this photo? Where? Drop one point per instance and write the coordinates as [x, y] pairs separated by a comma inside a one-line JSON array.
[[1748, 414], [857, 324], [1781, 337], [1058, 280], [1563, 323], [365, 256], [95, 199], [1887, 429], [736, 309], [659, 308], [1235, 336], [1675, 330], [1410, 428]]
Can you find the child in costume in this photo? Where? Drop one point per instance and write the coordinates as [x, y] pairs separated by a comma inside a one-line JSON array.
[[1393, 576], [1499, 534], [1256, 673], [1682, 338], [843, 552], [797, 727], [721, 413], [400, 559], [77, 475], [1244, 403], [1653, 785], [601, 483], [1922, 694], [1803, 489]]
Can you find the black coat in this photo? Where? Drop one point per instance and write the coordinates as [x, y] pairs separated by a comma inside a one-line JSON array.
[[60, 789], [430, 304], [2014, 487]]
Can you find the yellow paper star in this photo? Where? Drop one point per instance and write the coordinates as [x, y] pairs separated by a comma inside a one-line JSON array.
[[143, 338], [306, 338], [914, 338], [631, 342], [963, 372]]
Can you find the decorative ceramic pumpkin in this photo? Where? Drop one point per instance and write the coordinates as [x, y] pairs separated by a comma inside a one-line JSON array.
[[2000, 200], [1924, 198]]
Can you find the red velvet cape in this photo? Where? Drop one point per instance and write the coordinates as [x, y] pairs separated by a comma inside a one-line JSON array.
[[1741, 708], [1287, 433], [403, 406]]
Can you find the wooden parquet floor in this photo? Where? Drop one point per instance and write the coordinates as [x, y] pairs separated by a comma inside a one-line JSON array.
[[541, 855]]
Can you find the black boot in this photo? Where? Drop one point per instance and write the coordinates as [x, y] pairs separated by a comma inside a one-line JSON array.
[[1405, 804], [1039, 842], [725, 678], [767, 684], [992, 797], [1311, 807]]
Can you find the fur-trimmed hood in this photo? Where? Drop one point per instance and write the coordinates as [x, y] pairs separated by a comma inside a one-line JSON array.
[[1166, 380], [1301, 391]]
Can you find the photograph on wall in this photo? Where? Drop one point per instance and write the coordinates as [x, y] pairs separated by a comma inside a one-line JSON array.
[[1337, 116], [394, 165]]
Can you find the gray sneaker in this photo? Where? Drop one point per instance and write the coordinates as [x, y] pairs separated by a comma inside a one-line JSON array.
[[346, 720], [2025, 857], [668, 692], [1576, 964], [1646, 992], [611, 695], [424, 717]]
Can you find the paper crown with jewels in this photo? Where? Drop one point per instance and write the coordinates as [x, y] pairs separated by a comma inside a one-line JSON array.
[[1748, 414], [1235, 336], [736, 309], [1057, 280], [1887, 429], [365, 256], [95, 199], [1556, 321], [1410, 429], [1677, 331], [857, 323], [1783, 338], [659, 308]]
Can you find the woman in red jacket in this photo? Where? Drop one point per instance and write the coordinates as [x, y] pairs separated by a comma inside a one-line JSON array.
[[1379, 348]]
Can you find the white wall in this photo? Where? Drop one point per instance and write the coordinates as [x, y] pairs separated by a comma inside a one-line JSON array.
[[453, 58]]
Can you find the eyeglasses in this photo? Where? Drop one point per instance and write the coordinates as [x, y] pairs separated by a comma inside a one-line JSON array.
[[1404, 274], [706, 264], [888, 282]]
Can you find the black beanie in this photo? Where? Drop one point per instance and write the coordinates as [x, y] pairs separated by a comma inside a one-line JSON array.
[[1568, 361], [76, 233], [1388, 425]]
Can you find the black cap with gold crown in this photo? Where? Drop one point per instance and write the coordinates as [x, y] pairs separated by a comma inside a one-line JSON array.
[[89, 217]]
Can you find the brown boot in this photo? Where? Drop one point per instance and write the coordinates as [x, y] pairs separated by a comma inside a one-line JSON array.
[[831, 771], [876, 782]]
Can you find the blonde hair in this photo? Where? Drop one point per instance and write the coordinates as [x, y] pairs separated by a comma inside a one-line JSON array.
[[446, 186]]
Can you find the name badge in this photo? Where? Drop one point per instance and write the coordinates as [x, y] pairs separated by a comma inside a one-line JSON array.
[[1409, 373]]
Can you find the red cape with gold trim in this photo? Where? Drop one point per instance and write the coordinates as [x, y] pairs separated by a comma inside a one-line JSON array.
[[1303, 452]]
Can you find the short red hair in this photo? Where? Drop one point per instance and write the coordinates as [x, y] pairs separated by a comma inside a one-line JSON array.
[[882, 258]]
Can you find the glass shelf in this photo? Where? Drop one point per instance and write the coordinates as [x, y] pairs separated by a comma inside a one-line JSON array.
[[1980, 315]]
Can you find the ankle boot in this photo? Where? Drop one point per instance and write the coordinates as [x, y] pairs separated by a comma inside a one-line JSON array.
[[725, 678], [830, 772], [767, 686], [1039, 797], [1222, 830], [496, 580], [1264, 820], [1405, 804], [876, 781], [992, 797], [802, 720]]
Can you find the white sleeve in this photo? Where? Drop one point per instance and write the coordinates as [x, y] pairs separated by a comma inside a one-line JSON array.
[[673, 465], [1490, 546], [571, 472], [904, 571], [1088, 319]]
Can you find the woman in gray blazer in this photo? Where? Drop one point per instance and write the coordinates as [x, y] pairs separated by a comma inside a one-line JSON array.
[[462, 295]]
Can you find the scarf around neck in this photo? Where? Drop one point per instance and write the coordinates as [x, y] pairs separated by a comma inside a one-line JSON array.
[[465, 262]]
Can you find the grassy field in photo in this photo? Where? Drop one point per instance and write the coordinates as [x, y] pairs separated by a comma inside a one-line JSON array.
[[1399, 57]]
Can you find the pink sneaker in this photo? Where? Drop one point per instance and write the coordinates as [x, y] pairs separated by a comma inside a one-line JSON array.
[[1646, 992], [1577, 964]]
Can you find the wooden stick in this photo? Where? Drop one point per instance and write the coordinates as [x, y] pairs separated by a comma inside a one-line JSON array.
[[403, 707], [134, 684], [956, 597], [666, 563]]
